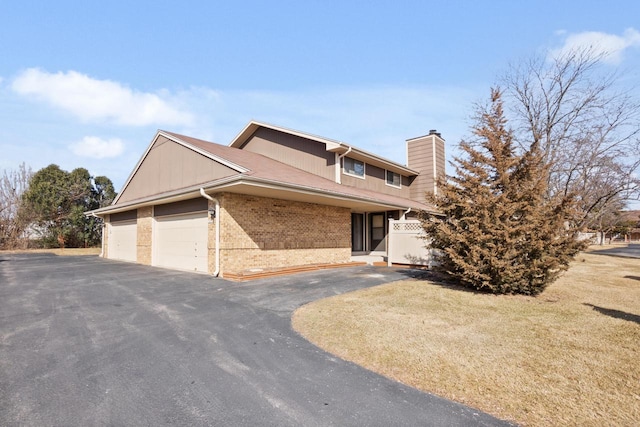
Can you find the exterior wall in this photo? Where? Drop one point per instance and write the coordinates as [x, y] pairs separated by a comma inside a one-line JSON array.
[[376, 180], [267, 233], [105, 236], [211, 231], [145, 226], [295, 151], [311, 156], [425, 155], [170, 166]]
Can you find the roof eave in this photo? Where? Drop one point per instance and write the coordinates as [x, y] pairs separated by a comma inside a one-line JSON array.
[[331, 145], [254, 125], [241, 179]]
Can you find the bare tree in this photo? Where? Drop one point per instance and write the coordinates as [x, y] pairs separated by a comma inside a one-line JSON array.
[[588, 130], [13, 223]]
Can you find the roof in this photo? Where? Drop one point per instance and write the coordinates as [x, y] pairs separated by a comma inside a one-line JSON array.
[[262, 176], [331, 145], [631, 216]]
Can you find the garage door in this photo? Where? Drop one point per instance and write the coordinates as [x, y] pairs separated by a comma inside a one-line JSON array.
[[180, 242], [122, 241]]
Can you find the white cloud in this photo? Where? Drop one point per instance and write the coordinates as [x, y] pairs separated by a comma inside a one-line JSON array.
[[97, 100], [97, 148], [611, 45]]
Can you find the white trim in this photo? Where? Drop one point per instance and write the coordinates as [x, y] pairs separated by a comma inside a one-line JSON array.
[[364, 168], [435, 166], [179, 141], [383, 163], [253, 125], [257, 182], [363, 237], [339, 158], [386, 181], [213, 157], [216, 272], [237, 180]]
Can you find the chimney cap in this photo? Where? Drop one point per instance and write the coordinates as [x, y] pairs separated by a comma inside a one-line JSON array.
[[432, 132]]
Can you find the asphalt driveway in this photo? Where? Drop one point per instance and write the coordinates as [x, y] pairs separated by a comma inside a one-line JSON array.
[[631, 250], [86, 341]]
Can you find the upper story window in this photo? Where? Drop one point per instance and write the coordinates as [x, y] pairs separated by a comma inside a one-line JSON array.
[[353, 167], [393, 179]]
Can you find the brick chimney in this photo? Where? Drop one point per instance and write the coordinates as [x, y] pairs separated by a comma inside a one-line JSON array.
[[425, 154]]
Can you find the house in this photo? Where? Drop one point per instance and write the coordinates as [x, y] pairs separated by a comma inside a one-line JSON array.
[[272, 198], [631, 221]]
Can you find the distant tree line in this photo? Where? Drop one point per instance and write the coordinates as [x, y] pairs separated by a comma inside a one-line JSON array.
[[46, 208]]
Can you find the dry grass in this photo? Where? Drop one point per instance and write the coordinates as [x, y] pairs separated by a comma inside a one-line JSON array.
[[61, 252], [570, 356]]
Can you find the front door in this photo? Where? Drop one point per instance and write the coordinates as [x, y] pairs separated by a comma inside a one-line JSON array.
[[377, 232]]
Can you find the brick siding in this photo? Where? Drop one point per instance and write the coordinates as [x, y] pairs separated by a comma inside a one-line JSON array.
[[211, 230], [259, 232], [144, 229]]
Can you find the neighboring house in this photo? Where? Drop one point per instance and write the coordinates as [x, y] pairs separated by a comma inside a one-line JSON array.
[[273, 198], [632, 218]]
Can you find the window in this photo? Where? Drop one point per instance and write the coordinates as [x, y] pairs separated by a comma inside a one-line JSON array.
[[353, 167], [393, 179]]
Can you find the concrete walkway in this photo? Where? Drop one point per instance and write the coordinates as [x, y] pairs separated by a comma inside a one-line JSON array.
[[86, 341]]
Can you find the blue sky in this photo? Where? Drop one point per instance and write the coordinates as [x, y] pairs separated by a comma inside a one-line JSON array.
[[86, 83]]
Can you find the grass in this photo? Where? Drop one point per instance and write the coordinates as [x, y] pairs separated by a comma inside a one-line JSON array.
[[570, 356], [58, 251]]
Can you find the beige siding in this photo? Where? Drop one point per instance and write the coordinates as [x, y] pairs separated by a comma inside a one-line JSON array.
[[376, 180], [170, 166], [298, 152], [258, 232], [421, 158], [312, 156], [440, 158]]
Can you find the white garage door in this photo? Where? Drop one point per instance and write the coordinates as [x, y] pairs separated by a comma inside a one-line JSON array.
[[180, 242], [122, 241]]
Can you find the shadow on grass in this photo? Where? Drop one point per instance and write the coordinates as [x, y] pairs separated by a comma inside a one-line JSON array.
[[616, 313], [632, 277], [440, 279]]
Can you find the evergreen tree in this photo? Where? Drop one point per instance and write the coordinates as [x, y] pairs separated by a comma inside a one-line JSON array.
[[498, 232], [56, 200]]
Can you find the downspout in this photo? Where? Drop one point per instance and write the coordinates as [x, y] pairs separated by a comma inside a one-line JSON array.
[[104, 224], [217, 214], [338, 175], [404, 215]]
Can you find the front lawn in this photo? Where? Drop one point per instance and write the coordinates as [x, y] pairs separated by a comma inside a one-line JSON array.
[[570, 356]]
